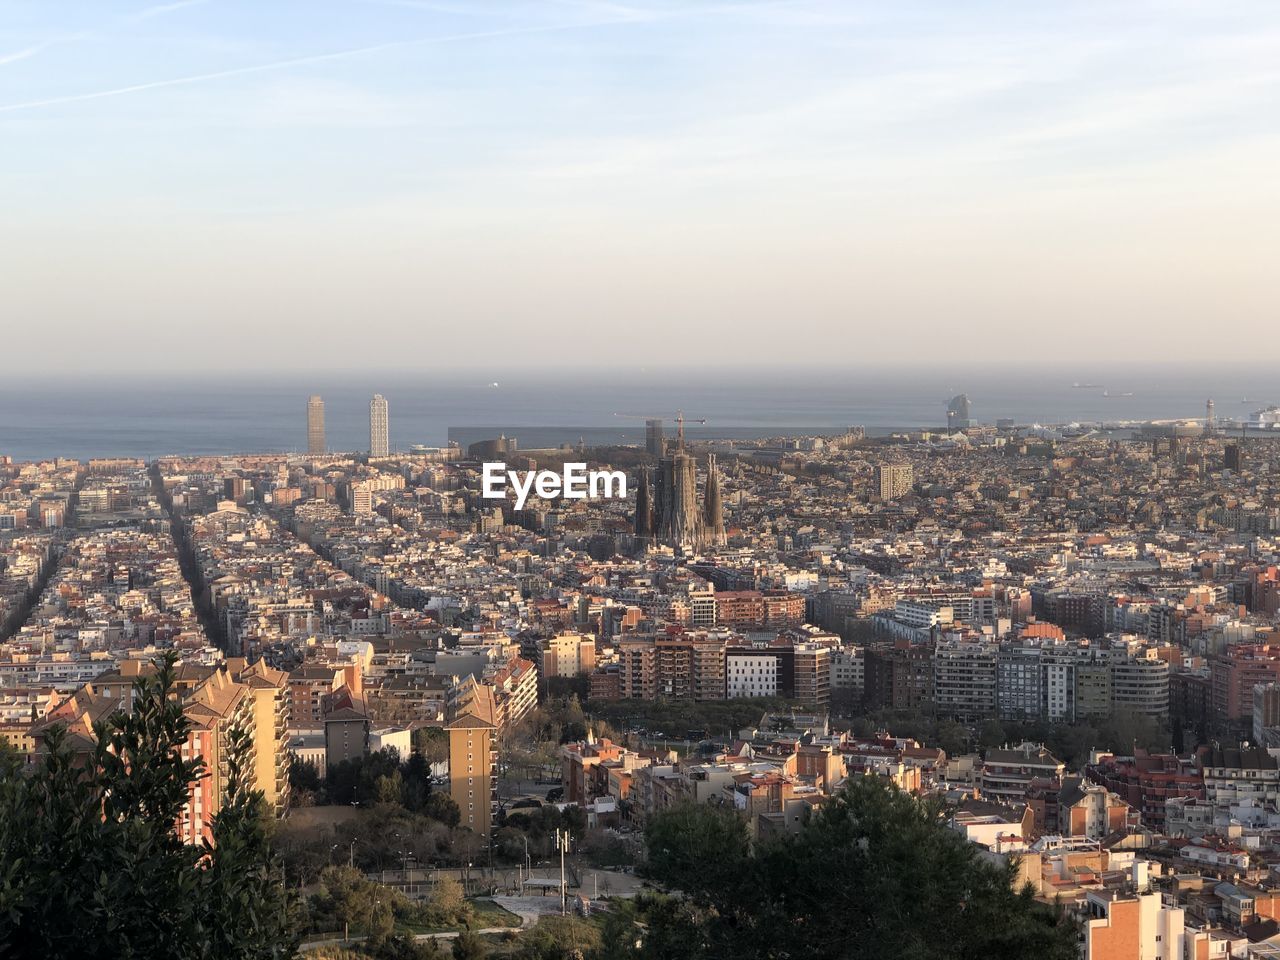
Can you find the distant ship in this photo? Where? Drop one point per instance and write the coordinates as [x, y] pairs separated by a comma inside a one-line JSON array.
[[1109, 395], [1085, 386]]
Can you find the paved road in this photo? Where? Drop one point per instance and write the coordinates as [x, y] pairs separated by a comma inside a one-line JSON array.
[[518, 788], [595, 883], [446, 935]]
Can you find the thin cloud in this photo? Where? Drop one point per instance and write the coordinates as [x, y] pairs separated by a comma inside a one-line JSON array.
[[429, 6], [38, 48], [21, 54], [298, 62], [159, 10], [147, 13]]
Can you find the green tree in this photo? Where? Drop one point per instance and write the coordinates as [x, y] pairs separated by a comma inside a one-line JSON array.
[[404, 948], [951, 737], [440, 806], [432, 744], [90, 862], [694, 846], [358, 904], [469, 946], [991, 735], [388, 788], [415, 774], [447, 905], [242, 876], [874, 867], [560, 938], [303, 775]]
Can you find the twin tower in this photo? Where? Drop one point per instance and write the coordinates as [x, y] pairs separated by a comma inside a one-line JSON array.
[[379, 445], [669, 514]]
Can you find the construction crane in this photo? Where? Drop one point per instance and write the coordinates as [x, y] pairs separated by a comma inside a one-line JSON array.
[[679, 420]]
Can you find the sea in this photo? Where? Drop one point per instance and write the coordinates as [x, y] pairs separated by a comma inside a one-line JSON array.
[[155, 414]]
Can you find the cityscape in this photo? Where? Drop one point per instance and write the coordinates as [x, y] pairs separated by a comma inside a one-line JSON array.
[[1065, 638], [639, 480]]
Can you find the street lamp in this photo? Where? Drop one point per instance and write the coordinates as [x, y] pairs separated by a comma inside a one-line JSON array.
[[562, 844]]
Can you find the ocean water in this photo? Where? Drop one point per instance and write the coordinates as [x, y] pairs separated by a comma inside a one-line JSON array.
[[148, 415]]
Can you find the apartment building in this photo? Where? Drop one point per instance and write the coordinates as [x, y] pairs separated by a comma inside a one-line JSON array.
[[1235, 775], [1020, 686], [677, 665], [964, 679], [1093, 696], [899, 677], [473, 766], [813, 673], [1006, 774], [1147, 782], [848, 669], [216, 708], [1141, 685], [309, 686], [568, 655], [268, 688], [753, 671], [1235, 672], [1132, 926], [895, 480]]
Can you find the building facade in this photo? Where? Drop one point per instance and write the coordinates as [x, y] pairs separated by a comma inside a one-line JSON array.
[[315, 426], [379, 444]]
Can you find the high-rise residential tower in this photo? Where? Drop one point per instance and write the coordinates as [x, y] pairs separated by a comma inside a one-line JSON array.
[[895, 480], [378, 445], [653, 441], [473, 763], [315, 425]]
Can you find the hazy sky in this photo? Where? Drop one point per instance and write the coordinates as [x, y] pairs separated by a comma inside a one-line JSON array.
[[265, 184]]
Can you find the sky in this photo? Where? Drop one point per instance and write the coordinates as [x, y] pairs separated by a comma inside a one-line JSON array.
[[219, 185]]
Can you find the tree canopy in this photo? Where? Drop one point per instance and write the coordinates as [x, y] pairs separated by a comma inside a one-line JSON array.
[[91, 864], [875, 873]]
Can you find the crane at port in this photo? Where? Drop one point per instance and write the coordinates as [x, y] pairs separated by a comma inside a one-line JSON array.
[[679, 420]]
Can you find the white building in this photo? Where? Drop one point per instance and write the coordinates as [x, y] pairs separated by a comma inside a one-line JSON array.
[[751, 674], [848, 669]]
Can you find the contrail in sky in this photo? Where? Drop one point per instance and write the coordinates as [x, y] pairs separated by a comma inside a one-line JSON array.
[[297, 62]]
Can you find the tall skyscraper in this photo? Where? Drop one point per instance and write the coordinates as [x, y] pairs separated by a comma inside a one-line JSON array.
[[653, 441], [1210, 421], [1232, 457], [378, 445], [315, 426], [895, 480]]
